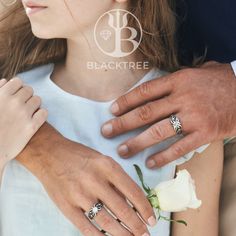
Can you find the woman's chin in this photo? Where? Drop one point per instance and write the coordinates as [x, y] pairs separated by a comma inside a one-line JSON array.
[[42, 34]]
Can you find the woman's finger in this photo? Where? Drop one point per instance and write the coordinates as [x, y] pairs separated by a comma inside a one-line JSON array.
[[141, 116], [2, 82], [25, 93], [142, 94], [134, 194], [176, 150], [33, 104], [38, 119], [153, 135], [13, 85], [124, 212]]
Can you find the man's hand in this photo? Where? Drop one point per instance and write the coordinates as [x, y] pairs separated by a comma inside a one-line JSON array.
[[76, 177], [203, 98]]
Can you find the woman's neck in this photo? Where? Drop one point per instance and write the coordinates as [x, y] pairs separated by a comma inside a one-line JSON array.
[[89, 73]]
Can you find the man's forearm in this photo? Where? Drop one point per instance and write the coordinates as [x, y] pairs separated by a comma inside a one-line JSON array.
[[38, 154]]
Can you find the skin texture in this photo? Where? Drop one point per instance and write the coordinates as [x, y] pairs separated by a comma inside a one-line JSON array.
[[204, 99], [21, 117]]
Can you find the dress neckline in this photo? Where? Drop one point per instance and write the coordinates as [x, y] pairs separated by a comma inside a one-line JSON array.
[[58, 89]]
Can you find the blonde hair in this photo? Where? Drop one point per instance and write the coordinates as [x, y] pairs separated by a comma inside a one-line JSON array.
[[20, 50]]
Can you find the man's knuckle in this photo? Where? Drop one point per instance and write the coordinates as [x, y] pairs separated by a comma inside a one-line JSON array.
[[119, 123], [160, 160], [76, 193], [187, 73], [91, 178], [178, 150], [86, 230], [145, 112], [184, 77], [169, 80], [137, 193], [114, 166], [124, 213], [107, 222], [144, 89], [170, 100], [123, 101], [109, 164], [140, 227], [102, 161], [157, 133]]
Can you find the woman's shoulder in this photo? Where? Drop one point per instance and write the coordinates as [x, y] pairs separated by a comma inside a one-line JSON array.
[[36, 74], [154, 73]]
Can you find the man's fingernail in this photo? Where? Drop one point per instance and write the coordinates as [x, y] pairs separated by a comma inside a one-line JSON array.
[[123, 150], [152, 221], [151, 163], [107, 129], [114, 108]]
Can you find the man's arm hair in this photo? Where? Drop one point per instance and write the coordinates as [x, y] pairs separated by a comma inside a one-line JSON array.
[[38, 153]]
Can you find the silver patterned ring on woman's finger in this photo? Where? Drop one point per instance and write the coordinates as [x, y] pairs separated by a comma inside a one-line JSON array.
[[94, 210], [176, 124]]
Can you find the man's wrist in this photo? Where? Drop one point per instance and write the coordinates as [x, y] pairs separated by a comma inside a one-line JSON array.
[[39, 154], [233, 64]]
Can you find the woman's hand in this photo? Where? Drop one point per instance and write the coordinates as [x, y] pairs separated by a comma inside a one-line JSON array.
[[77, 177], [20, 118]]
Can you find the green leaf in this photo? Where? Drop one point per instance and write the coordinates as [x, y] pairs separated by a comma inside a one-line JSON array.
[[140, 175], [174, 221], [182, 222]]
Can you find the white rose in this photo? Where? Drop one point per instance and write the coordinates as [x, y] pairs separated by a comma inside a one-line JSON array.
[[177, 194]]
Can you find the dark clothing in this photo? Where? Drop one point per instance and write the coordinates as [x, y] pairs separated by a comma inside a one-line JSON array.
[[207, 24]]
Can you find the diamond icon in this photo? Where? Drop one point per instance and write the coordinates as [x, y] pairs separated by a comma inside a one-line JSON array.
[[105, 34]]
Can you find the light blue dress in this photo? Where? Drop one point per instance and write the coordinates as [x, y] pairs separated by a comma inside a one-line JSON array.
[[26, 209]]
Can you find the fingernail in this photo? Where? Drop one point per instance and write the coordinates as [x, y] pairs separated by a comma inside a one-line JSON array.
[[152, 221], [123, 150], [107, 129], [151, 163], [146, 234], [114, 108]]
